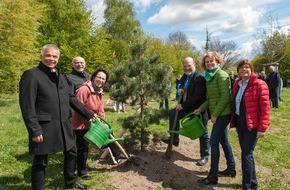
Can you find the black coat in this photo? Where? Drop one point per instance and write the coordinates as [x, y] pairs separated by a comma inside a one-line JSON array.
[[196, 92], [45, 101], [76, 79]]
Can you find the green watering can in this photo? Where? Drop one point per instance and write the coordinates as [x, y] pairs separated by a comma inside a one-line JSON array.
[[99, 133], [191, 126]]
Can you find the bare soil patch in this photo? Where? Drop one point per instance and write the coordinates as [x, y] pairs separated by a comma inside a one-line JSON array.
[[151, 170]]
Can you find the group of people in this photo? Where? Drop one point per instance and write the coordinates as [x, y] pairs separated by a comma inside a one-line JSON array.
[[244, 104], [46, 98]]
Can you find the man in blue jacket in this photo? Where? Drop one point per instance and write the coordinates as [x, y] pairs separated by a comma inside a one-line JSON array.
[[193, 91]]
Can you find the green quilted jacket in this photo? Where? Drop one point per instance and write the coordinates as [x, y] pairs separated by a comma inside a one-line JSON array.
[[218, 94]]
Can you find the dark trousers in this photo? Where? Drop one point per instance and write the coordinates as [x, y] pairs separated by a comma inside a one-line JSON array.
[[274, 96], [82, 152], [39, 165], [248, 141], [166, 101], [203, 140]]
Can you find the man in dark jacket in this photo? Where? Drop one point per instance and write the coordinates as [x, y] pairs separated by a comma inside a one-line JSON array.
[[273, 82], [193, 92], [45, 100], [78, 76]]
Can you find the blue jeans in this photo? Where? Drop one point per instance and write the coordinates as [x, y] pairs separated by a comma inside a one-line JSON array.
[[219, 135], [203, 140]]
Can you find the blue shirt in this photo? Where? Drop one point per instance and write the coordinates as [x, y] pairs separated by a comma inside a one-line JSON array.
[[187, 80], [240, 95]]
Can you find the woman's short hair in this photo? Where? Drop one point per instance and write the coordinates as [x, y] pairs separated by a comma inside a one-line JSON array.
[[243, 62], [212, 55], [100, 70]]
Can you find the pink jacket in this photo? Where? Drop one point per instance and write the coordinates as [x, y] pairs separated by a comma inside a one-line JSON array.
[[256, 103], [92, 101]]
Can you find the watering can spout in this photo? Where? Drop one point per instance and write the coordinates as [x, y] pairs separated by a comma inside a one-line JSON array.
[[109, 141]]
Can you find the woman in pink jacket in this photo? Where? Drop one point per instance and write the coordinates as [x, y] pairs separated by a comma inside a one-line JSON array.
[[250, 116], [90, 94]]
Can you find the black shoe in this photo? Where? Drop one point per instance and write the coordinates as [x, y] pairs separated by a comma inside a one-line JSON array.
[[208, 181], [202, 161], [86, 177], [227, 173], [254, 187], [167, 141], [78, 185]]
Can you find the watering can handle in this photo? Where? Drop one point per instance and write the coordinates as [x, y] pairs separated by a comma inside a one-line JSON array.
[[103, 119], [192, 114]]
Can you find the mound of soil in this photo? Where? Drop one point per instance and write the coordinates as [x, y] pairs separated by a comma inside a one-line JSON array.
[[151, 170]]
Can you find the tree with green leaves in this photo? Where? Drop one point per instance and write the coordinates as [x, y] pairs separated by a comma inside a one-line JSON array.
[[67, 24], [18, 31], [99, 54], [121, 25], [273, 42], [141, 76]]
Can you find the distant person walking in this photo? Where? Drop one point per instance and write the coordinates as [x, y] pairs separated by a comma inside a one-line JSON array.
[[273, 82]]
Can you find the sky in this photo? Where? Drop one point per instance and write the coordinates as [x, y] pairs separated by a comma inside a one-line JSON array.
[[227, 20]]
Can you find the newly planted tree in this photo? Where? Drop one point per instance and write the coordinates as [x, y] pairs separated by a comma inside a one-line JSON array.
[[143, 78]]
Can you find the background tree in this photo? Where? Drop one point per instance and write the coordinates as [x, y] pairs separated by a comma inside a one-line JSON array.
[[273, 41], [99, 53], [67, 24], [228, 50], [207, 40], [18, 32], [179, 40], [167, 53], [274, 48], [180, 47], [121, 25]]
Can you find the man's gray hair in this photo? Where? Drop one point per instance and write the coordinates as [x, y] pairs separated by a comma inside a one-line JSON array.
[[43, 49]]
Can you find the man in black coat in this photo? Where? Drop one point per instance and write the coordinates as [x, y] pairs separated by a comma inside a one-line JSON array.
[[273, 82], [78, 76], [193, 91], [45, 100]]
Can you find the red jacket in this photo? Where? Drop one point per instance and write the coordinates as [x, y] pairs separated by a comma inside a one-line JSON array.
[[256, 104], [92, 101]]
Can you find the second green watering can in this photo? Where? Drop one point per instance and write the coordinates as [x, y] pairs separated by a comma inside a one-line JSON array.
[[99, 133], [191, 126]]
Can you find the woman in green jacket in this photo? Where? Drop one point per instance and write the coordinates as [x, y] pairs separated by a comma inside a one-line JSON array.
[[218, 102]]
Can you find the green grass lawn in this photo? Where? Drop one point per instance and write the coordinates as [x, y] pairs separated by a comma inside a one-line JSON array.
[[272, 151]]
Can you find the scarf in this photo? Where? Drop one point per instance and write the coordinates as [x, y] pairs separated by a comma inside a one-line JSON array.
[[209, 74], [97, 89]]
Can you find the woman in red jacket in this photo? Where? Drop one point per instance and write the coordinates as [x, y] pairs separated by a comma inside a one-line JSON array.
[[90, 94], [250, 116]]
